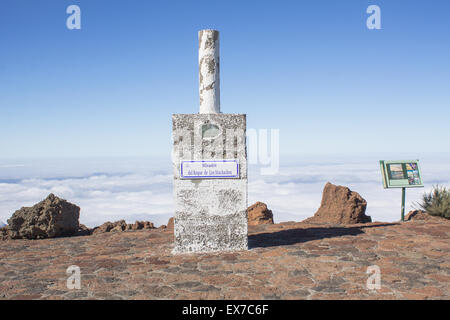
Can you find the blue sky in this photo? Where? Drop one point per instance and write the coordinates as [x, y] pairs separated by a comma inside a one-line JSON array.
[[309, 68]]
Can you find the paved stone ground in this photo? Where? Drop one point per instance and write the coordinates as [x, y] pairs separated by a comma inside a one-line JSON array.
[[286, 261]]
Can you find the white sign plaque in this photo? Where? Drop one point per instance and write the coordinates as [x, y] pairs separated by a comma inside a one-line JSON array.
[[209, 169]]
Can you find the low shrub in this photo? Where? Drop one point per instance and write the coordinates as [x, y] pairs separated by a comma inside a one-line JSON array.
[[437, 202]]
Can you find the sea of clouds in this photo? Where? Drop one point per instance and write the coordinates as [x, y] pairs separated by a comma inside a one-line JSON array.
[[141, 188]]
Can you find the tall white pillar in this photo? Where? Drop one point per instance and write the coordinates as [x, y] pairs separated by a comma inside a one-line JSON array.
[[209, 73], [210, 167]]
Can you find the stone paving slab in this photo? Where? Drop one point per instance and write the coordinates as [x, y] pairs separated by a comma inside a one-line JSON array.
[[285, 261]]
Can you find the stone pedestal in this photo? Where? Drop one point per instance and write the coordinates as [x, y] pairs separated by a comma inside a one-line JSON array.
[[210, 206]]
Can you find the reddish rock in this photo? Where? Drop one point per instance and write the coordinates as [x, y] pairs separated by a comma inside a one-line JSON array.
[[135, 226], [170, 223], [259, 214], [149, 225], [106, 227], [3, 233], [121, 225], [340, 205], [418, 215], [138, 225], [83, 230]]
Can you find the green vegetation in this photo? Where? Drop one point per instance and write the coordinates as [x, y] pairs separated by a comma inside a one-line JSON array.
[[437, 202]]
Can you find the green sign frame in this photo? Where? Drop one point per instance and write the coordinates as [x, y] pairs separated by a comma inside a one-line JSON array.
[[401, 174]]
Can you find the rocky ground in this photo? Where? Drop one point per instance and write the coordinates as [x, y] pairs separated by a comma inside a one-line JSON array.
[[285, 261]]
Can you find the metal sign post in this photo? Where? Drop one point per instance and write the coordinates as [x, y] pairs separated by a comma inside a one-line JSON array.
[[403, 203]]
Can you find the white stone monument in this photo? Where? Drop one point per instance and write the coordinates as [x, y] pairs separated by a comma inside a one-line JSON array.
[[210, 166]]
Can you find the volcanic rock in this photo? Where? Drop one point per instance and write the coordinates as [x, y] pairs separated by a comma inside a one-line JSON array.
[[418, 215], [110, 227], [121, 225], [138, 225], [52, 217], [4, 233], [340, 205], [83, 230], [105, 227], [170, 223], [259, 214]]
